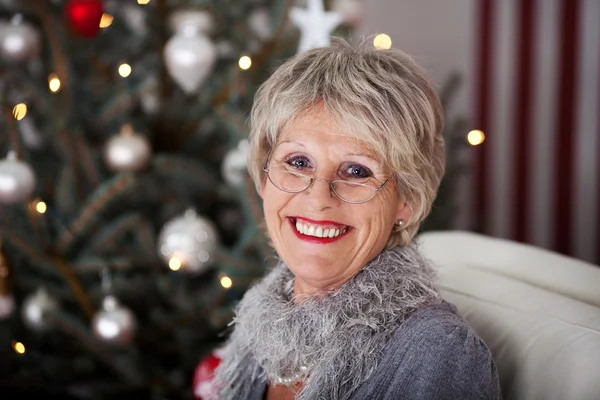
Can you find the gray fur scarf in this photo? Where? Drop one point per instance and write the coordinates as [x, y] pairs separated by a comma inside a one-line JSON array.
[[337, 338]]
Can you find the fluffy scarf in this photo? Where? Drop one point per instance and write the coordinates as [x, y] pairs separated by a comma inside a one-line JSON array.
[[338, 337]]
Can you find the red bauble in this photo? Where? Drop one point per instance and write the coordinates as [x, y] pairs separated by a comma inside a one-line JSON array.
[[203, 375], [84, 16]]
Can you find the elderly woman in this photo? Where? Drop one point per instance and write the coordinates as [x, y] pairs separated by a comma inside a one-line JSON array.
[[347, 154]]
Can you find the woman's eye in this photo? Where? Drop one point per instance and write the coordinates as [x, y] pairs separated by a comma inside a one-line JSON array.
[[298, 162], [356, 171]]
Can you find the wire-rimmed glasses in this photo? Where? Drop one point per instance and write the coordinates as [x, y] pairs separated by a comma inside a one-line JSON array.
[[295, 182]]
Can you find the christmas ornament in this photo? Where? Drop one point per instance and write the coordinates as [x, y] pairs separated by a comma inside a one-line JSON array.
[[189, 58], [315, 25], [30, 134], [17, 181], [7, 301], [204, 374], [234, 166], [34, 309], [114, 323], [150, 99], [135, 18], [191, 239], [350, 10], [84, 16], [260, 23], [20, 41], [201, 20], [127, 151]]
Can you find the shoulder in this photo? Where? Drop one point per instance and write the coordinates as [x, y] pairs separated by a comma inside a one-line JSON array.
[[436, 354]]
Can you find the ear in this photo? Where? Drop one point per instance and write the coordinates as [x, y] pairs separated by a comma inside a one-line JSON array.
[[260, 188], [403, 211]]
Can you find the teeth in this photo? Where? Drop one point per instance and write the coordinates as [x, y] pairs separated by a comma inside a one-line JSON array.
[[318, 231]]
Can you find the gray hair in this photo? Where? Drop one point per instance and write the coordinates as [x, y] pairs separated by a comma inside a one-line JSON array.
[[380, 97]]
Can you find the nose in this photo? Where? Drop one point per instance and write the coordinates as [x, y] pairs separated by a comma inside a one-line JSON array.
[[320, 194]]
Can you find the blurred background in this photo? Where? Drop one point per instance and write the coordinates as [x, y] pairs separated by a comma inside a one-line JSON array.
[[128, 225]]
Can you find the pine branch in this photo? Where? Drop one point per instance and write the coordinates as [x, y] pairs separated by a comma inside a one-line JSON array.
[[110, 234]]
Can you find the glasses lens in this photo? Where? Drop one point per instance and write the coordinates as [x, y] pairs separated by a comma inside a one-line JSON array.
[[289, 181], [353, 192]]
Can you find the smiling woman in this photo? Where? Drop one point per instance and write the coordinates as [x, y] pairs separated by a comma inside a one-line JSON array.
[[347, 154]]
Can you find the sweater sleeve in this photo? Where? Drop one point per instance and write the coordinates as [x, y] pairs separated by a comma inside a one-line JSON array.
[[445, 361]]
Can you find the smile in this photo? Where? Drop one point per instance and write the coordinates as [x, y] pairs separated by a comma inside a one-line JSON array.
[[318, 231]]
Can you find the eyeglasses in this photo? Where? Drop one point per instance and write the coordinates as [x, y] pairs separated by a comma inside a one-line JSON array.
[[350, 192]]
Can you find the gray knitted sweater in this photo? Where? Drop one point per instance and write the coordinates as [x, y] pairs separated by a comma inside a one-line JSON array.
[[435, 354]]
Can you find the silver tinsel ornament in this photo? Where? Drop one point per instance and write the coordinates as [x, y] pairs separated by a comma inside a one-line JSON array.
[[19, 41], [114, 323], [35, 307], [191, 238], [127, 151], [234, 165], [17, 180], [189, 54]]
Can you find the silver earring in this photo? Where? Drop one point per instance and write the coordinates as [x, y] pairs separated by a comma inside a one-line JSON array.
[[400, 222]]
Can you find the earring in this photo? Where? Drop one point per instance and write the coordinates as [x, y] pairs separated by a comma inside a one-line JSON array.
[[398, 225], [400, 222]]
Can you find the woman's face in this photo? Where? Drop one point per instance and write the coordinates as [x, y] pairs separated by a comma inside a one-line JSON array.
[[315, 145]]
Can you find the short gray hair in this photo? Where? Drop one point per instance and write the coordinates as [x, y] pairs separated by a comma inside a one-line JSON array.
[[380, 97]]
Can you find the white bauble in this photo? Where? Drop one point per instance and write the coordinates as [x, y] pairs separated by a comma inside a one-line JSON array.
[[17, 180], [189, 57], [7, 306], [20, 41], [260, 23], [191, 238], [200, 20], [234, 164], [114, 323], [127, 151], [34, 309]]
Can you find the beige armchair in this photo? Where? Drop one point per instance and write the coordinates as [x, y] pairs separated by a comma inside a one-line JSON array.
[[538, 311]]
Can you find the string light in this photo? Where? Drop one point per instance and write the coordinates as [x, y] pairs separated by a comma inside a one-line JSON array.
[[18, 347], [124, 70], [175, 263], [40, 207], [226, 282], [106, 20], [382, 41], [245, 62], [20, 111], [475, 137], [143, 2], [53, 83]]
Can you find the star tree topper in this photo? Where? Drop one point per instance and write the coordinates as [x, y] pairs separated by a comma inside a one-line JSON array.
[[315, 25]]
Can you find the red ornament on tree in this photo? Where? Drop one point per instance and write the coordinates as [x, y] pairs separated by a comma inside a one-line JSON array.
[[84, 16], [204, 374]]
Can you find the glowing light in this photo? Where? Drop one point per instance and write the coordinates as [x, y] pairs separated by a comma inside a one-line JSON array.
[[475, 137], [175, 263], [124, 70], [40, 207], [106, 20], [382, 41], [20, 111], [143, 2], [226, 282], [53, 83], [245, 62], [18, 347]]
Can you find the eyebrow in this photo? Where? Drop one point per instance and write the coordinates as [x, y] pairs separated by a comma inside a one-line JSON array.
[[349, 154]]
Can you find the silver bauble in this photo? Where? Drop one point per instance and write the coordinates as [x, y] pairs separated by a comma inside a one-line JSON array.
[[17, 180], [19, 41], [34, 309], [7, 306], [191, 238], [150, 98], [135, 18], [189, 58], [201, 20], [234, 165], [114, 323], [30, 134], [127, 151]]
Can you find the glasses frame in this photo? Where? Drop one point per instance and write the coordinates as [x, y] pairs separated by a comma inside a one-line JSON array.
[[312, 180]]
